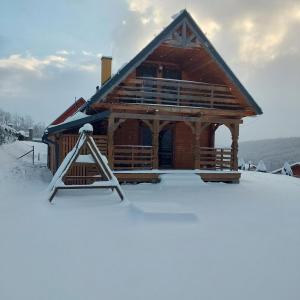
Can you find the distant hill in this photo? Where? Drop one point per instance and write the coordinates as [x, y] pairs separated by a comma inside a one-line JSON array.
[[274, 152]]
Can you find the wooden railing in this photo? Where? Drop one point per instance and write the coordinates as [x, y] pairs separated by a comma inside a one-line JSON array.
[[174, 92], [132, 157], [216, 158]]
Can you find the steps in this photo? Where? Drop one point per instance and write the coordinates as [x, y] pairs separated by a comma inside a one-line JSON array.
[[181, 179]]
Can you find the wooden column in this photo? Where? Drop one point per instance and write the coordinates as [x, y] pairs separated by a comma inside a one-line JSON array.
[[198, 130], [234, 145], [155, 143], [110, 141]]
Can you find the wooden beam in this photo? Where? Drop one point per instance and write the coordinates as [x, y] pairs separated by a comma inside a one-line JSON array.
[[197, 144], [163, 124], [164, 63], [110, 140], [155, 143], [155, 117], [173, 109], [213, 119], [234, 145]]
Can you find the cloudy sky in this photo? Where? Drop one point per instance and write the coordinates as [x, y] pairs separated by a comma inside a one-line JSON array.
[[50, 51]]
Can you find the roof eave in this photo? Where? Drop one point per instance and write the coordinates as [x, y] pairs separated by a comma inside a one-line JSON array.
[[76, 123]]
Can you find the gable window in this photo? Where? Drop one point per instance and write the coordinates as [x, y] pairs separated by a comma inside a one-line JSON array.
[[146, 71], [171, 73]]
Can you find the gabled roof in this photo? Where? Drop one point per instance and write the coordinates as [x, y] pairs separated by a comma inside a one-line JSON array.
[[69, 111], [143, 54], [76, 123]]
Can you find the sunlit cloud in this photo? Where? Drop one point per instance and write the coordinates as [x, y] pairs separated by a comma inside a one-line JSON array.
[[258, 35], [210, 28], [140, 6], [88, 67], [31, 63]]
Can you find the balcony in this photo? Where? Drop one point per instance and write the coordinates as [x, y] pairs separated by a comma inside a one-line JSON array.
[[160, 91]]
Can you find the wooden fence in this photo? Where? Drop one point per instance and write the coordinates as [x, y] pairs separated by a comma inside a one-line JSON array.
[[175, 92], [216, 158]]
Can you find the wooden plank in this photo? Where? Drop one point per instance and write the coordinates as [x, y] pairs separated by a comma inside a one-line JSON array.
[[172, 109], [155, 117]]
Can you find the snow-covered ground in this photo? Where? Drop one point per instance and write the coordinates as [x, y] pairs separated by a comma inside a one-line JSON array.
[[196, 241]]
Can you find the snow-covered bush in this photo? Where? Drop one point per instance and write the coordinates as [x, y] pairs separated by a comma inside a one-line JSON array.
[[7, 134], [261, 167], [242, 164], [287, 170], [249, 166]]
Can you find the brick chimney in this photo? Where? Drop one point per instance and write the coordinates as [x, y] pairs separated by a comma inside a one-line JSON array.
[[106, 62]]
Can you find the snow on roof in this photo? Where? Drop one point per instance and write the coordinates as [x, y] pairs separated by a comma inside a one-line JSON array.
[[291, 165], [76, 116], [69, 111]]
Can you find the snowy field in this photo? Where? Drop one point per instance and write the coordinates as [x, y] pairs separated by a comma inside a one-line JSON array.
[[196, 241]]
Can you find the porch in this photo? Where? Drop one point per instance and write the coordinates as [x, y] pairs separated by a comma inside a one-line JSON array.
[[145, 163], [153, 176]]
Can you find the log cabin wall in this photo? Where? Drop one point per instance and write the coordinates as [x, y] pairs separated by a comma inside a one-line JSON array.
[[51, 156], [127, 133]]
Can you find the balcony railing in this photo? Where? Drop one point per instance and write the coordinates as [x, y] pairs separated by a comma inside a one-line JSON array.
[[132, 157], [216, 158], [175, 93]]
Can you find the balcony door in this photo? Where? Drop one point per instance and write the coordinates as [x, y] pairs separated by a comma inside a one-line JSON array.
[[165, 150]]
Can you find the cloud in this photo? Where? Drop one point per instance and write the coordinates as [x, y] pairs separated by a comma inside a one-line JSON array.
[[261, 41], [65, 52], [30, 63], [19, 73], [88, 67], [91, 54], [257, 32], [43, 87]]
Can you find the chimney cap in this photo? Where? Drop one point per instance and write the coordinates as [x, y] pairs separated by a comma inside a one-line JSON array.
[[106, 57]]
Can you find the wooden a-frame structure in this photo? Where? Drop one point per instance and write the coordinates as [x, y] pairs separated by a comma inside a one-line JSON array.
[[105, 179]]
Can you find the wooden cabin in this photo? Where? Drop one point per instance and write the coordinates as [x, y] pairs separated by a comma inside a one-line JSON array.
[[160, 112]]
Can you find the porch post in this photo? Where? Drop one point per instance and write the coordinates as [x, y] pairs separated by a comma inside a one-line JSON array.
[[197, 144], [155, 143], [234, 146], [110, 141]]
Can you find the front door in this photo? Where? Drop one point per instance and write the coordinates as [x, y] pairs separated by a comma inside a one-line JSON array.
[[165, 150]]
